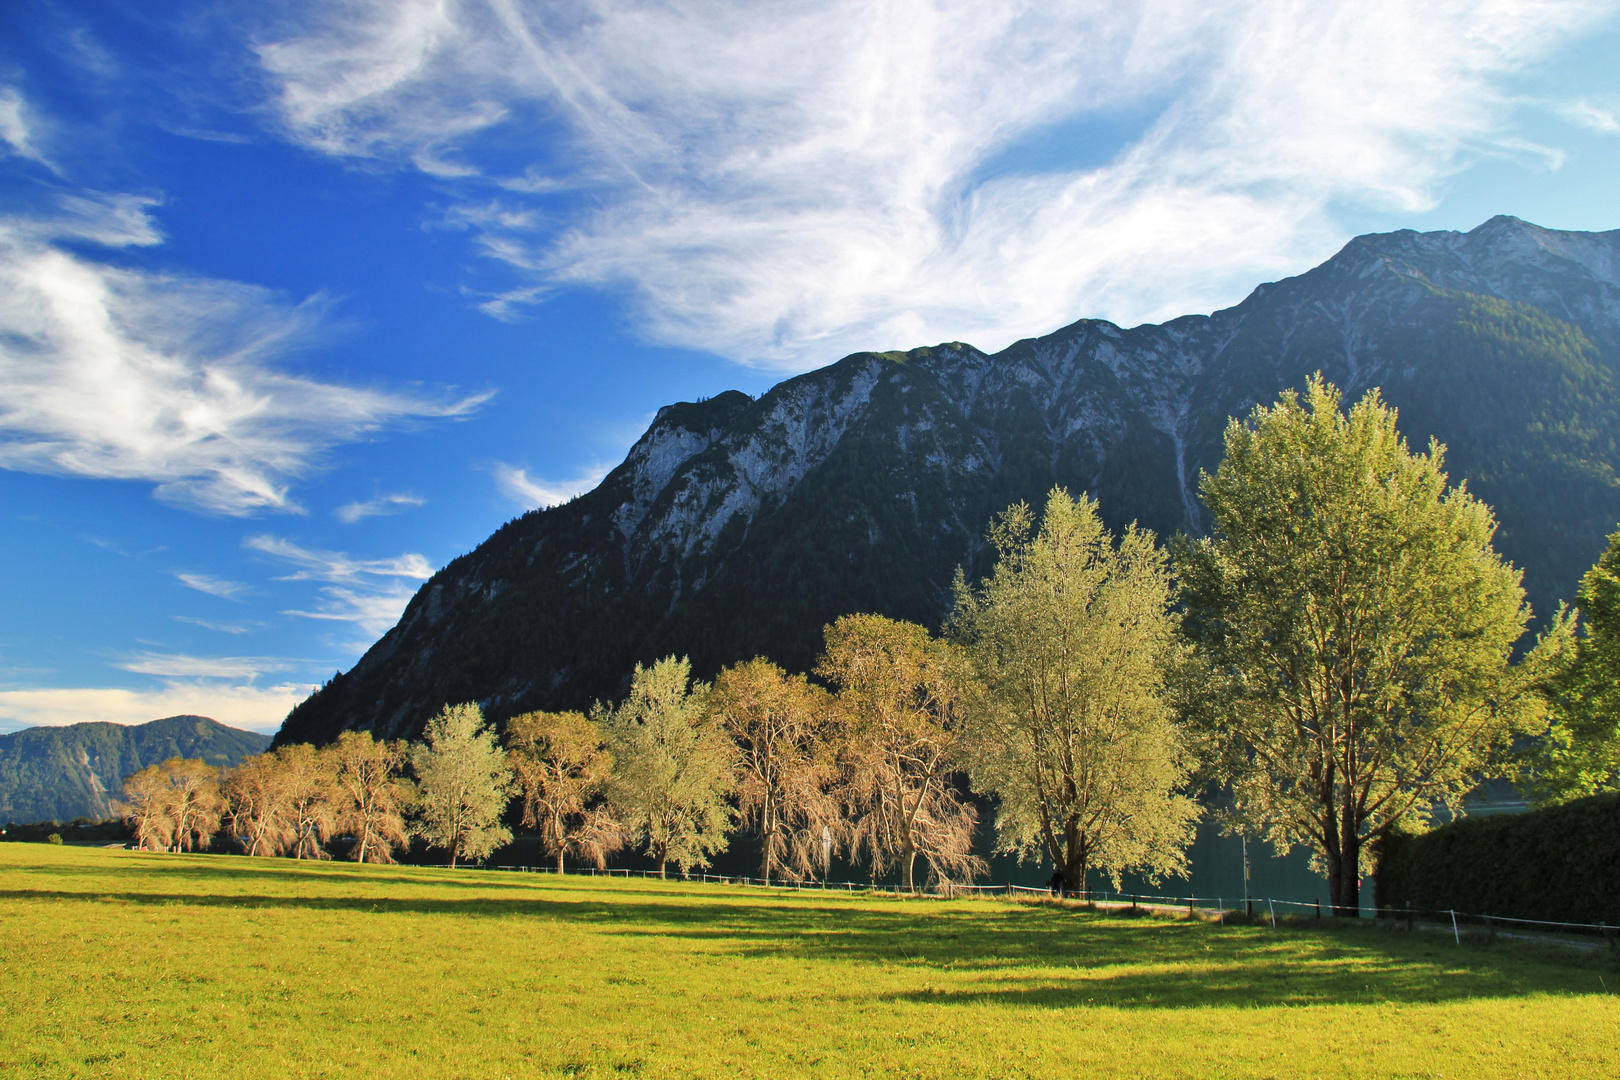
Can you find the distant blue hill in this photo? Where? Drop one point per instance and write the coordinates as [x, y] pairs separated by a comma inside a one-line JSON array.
[[62, 773]]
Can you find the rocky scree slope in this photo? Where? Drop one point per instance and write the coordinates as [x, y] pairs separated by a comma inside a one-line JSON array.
[[739, 527]]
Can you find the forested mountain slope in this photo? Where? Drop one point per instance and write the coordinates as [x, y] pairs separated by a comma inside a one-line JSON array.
[[62, 773], [738, 527]]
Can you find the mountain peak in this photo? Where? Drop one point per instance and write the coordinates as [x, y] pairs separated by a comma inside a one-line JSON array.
[[738, 527]]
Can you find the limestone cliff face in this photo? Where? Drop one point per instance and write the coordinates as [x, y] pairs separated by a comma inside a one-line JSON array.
[[738, 527]]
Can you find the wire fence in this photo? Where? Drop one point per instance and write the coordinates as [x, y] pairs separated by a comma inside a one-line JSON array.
[[1220, 909]]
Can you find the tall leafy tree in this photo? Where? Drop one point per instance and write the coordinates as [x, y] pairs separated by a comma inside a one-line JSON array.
[[1359, 627], [563, 765], [1071, 639], [369, 794], [783, 728], [672, 766], [1580, 754], [463, 783], [900, 691]]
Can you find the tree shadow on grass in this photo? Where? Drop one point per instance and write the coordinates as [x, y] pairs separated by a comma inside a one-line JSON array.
[[969, 953]]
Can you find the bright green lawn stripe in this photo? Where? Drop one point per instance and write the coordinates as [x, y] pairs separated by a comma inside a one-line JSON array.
[[117, 964]]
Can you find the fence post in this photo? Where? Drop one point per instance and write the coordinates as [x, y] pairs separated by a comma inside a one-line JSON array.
[[1490, 929], [1608, 935], [1272, 905], [1456, 937], [1318, 909], [1409, 916]]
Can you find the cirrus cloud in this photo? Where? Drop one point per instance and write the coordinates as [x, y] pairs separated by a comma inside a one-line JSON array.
[[119, 373], [778, 183]]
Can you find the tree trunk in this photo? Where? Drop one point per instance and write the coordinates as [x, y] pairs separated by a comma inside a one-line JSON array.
[[661, 862], [907, 858], [559, 861], [1346, 890], [365, 834]]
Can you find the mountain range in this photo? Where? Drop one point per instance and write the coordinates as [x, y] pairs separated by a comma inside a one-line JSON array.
[[739, 526], [63, 773]]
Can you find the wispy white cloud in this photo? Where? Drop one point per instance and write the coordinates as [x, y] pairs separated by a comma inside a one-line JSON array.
[[223, 588], [257, 708], [182, 666], [532, 492], [349, 513], [129, 374], [209, 624], [782, 183], [1596, 115], [369, 593], [17, 128]]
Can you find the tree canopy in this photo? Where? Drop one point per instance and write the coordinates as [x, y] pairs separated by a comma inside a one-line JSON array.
[[673, 766], [1359, 628], [1070, 639], [463, 783]]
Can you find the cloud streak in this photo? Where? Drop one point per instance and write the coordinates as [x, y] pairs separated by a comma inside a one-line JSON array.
[[781, 184], [128, 374], [349, 513], [367, 593], [533, 493]]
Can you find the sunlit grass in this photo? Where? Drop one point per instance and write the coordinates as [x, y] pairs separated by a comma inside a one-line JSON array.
[[117, 964]]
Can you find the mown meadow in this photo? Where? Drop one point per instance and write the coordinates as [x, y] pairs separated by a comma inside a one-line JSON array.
[[128, 964]]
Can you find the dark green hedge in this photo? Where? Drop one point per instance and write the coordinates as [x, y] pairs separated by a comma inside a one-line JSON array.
[[1560, 863]]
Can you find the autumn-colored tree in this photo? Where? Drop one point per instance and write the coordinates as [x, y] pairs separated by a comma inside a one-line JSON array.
[[310, 807], [146, 808], [786, 764], [463, 784], [1071, 640], [369, 795], [562, 765], [672, 766], [901, 693], [195, 803], [175, 805], [255, 794]]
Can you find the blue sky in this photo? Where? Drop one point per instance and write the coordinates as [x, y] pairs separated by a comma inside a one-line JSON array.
[[299, 301]]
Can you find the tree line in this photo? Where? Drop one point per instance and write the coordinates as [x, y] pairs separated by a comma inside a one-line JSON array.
[[1340, 657]]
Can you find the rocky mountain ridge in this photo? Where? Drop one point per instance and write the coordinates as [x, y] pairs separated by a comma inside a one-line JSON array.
[[738, 527]]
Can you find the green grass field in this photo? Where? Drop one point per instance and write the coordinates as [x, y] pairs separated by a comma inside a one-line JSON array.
[[117, 964]]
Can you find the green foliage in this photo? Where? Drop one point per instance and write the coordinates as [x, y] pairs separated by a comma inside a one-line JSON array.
[[672, 766], [1359, 626], [54, 838], [239, 968], [463, 784], [1560, 863], [1581, 752], [1071, 639]]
